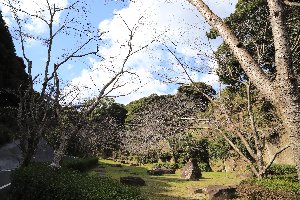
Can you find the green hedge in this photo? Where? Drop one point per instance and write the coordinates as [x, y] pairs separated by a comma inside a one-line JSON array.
[[275, 187], [80, 164], [40, 182], [281, 169]]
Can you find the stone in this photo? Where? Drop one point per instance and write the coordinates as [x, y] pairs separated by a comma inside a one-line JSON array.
[[116, 165], [191, 171], [197, 190], [169, 171], [132, 180], [220, 192], [155, 172]]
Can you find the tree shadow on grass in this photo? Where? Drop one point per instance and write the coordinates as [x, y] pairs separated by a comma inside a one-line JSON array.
[[165, 187]]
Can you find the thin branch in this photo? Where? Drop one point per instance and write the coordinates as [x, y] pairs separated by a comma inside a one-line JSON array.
[[275, 155], [253, 125], [291, 3]]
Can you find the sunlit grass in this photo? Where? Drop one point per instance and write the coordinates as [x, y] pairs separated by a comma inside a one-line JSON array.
[[170, 186]]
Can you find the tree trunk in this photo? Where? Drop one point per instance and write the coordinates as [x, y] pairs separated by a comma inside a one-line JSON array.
[[286, 86], [290, 114], [60, 152], [28, 156], [28, 147]]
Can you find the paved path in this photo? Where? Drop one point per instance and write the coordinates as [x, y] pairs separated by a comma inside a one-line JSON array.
[[10, 158]]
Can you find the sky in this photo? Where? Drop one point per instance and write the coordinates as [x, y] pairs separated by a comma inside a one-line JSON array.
[[144, 38]]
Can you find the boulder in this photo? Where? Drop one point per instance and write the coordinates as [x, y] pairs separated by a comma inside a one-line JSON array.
[[116, 165], [220, 192], [197, 190], [169, 171], [191, 171], [132, 180], [157, 171]]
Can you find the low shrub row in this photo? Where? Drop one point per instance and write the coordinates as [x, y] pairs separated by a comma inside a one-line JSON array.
[[281, 169], [275, 187], [80, 164], [40, 182]]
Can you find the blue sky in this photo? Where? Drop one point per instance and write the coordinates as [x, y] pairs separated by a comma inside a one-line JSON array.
[[158, 24]]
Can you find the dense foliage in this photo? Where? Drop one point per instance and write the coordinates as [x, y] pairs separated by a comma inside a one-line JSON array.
[[40, 182], [80, 164], [250, 23], [12, 76], [281, 169], [282, 183], [277, 187]]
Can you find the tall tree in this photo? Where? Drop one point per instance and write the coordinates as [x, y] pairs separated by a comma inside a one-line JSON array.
[[12, 77], [283, 90], [251, 25]]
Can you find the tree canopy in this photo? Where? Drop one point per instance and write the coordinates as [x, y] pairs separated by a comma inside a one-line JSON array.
[[250, 23]]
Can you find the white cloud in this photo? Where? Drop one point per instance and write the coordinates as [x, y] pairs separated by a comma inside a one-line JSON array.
[[33, 7], [174, 23]]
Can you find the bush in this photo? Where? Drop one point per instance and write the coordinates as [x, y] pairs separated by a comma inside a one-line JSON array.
[[80, 164], [281, 169], [166, 165], [40, 182], [204, 167], [276, 187]]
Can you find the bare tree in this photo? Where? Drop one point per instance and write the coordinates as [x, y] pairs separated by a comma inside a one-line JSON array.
[[227, 117], [121, 76], [38, 109], [157, 121], [283, 92], [240, 121]]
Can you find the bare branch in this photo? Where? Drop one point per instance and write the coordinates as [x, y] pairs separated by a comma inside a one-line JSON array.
[[291, 3], [275, 156]]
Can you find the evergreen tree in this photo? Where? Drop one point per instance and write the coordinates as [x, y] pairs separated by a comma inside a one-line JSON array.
[[12, 78]]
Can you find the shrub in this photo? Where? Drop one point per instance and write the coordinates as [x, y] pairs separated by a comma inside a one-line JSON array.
[[204, 167], [80, 164], [165, 156], [281, 169], [40, 182], [167, 165], [276, 187]]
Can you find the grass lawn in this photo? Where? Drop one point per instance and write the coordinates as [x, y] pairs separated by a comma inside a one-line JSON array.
[[166, 187]]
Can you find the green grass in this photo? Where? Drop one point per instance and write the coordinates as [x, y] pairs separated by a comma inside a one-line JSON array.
[[169, 186]]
